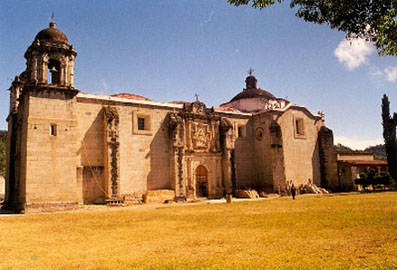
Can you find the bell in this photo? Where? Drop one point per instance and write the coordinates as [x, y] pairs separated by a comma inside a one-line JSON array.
[[53, 69]]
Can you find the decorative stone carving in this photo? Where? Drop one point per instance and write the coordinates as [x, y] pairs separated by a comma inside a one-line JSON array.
[[227, 133], [201, 136], [198, 107], [175, 124], [198, 133], [111, 151]]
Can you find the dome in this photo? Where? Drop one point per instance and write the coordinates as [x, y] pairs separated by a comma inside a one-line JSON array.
[[52, 34], [253, 93], [252, 90], [253, 99]]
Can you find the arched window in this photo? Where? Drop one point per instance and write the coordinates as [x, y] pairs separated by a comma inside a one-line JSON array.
[[54, 71]]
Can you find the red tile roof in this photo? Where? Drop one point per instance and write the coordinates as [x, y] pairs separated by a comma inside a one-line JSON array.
[[131, 96]]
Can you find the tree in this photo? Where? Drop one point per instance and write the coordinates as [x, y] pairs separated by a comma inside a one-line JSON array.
[[341, 147], [372, 178], [378, 150], [373, 20], [389, 134]]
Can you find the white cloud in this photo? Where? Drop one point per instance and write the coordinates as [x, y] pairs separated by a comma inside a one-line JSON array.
[[376, 73], [357, 144], [354, 53], [391, 74]]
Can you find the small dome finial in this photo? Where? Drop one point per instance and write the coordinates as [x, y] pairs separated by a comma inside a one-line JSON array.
[[53, 24], [250, 81]]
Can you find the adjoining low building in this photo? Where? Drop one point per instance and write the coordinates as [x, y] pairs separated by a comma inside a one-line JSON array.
[[352, 163], [66, 147]]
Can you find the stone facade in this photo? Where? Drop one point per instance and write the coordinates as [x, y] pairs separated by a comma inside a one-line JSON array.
[[66, 147]]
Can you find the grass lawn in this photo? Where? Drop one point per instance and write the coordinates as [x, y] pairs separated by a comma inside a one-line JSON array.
[[313, 232]]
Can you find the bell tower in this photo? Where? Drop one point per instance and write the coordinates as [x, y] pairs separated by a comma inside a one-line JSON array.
[[50, 59], [42, 133]]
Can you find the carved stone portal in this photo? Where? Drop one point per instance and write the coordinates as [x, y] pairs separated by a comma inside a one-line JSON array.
[[199, 134]]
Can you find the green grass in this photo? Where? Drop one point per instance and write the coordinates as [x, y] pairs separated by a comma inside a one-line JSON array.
[[313, 232]]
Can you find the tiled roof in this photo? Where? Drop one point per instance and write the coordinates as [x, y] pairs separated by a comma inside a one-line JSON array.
[[364, 162], [131, 96]]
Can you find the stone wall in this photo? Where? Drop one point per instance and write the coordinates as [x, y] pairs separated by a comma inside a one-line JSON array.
[[276, 154], [86, 149], [328, 159], [301, 152], [90, 150], [263, 152], [144, 157], [49, 165], [244, 153], [346, 177]]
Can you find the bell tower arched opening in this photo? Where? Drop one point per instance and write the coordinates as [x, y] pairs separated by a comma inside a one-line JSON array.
[[201, 181], [54, 69]]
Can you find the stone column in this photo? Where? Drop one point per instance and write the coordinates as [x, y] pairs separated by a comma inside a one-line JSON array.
[[79, 177], [111, 152], [328, 162], [190, 175], [228, 156], [277, 157], [177, 144], [180, 187], [189, 134], [43, 71], [34, 67], [62, 74]]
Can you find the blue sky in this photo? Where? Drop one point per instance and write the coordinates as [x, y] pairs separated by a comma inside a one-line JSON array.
[[169, 49]]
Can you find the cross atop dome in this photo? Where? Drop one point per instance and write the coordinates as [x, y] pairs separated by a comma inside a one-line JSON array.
[[197, 97], [51, 19]]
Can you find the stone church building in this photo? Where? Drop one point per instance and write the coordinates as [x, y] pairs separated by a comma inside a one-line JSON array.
[[67, 147]]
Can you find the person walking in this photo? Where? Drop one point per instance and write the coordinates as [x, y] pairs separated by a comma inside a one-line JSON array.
[[293, 191]]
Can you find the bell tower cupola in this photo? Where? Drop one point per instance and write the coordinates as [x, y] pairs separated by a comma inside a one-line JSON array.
[[50, 59]]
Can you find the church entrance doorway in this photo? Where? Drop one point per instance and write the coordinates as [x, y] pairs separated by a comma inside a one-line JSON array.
[[201, 181]]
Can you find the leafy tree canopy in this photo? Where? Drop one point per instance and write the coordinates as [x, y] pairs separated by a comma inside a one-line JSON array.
[[378, 150], [373, 20], [341, 147], [389, 134]]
